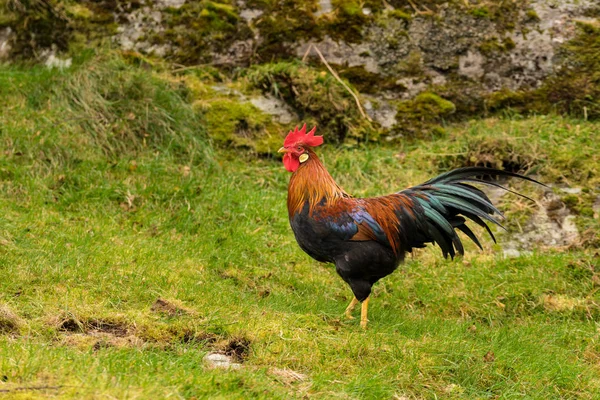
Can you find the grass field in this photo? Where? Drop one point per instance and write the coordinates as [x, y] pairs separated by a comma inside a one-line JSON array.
[[130, 247]]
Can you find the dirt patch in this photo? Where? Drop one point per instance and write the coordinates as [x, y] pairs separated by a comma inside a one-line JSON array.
[[100, 340], [286, 375], [88, 326], [199, 337], [96, 333], [238, 348], [169, 308], [9, 321]]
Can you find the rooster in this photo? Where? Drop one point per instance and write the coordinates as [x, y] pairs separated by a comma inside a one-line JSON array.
[[367, 238]]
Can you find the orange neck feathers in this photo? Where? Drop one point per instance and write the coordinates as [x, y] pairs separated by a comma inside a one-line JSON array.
[[311, 182]]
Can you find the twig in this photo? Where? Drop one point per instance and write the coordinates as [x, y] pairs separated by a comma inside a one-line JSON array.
[[336, 76], [307, 52], [428, 12]]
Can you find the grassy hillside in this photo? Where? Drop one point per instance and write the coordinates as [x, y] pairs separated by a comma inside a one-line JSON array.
[[130, 247]]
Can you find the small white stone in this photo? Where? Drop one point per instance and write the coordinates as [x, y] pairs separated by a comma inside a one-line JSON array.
[[218, 360], [511, 253], [571, 190]]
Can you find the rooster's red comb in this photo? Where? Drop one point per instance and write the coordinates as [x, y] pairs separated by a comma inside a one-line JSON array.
[[301, 137]]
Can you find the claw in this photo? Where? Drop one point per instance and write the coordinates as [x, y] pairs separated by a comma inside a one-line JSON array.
[[350, 307]]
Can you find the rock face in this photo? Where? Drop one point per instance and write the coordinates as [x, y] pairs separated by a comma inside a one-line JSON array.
[[515, 50], [512, 45], [5, 48], [463, 52]]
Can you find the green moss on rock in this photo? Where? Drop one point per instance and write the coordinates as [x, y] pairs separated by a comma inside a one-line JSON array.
[[575, 87], [196, 29], [349, 19], [37, 25], [368, 82], [494, 45], [316, 96], [532, 15], [231, 122], [399, 14], [423, 115], [480, 12], [282, 23]]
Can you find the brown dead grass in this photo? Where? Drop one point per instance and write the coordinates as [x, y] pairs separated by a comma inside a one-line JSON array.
[[171, 308], [10, 322]]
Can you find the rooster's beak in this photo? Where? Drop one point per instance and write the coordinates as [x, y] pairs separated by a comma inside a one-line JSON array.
[[282, 150]]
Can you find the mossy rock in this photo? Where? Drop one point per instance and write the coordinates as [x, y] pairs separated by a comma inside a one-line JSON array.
[[234, 123], [199, 28], [494, 45], [282, 23], [423, 115], [37, 26], [349, 19], [368, 82], [316, 97], [574, 89]]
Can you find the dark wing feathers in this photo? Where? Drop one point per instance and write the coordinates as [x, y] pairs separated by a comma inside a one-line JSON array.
[[430, 212]]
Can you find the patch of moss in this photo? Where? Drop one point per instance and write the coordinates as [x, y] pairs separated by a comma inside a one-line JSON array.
[[316, 96], [198, 28], [349, 18], [532, 16], [465, 94], [348, 21], [505, 13], [423, 115], [37, 25], [521, 101], [582, 205], [574, 89], [412, 65], [480, 12], [368, 82], [61, 25], [571, 201], [282, 23], [231, 122], [493, 45], [399, 14]]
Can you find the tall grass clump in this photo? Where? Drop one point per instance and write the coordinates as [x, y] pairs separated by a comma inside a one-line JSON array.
[[103, 107]]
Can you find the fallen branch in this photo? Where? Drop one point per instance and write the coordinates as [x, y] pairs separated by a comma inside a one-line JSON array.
[[336, 76]]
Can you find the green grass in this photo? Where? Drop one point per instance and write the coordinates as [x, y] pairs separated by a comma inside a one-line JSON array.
[[96, 227]]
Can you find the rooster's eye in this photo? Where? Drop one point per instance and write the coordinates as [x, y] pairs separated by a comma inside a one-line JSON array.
[[299, 148]]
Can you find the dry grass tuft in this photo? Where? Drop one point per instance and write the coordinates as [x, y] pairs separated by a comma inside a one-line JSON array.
[[9, 321], [170, 308]]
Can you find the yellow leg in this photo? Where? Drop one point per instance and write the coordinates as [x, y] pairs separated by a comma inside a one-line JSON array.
[[363, 313], [350, 307]]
